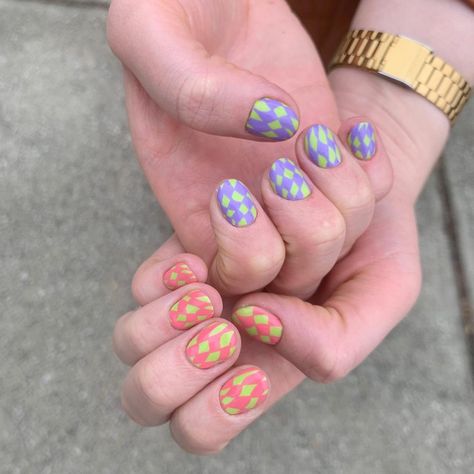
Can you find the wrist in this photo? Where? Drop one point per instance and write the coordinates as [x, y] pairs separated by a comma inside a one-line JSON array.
[[414, 130]]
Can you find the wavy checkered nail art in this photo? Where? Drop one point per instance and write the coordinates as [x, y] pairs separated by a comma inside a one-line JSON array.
[[236, 203], [259, 324], [288, 181], [361, 140], [191, 309], [212, 345], [272, 119], [321, 147], [247, 389], [178, 275]]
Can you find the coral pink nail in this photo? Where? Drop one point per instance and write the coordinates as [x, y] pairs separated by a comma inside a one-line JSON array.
[[193, 308], [247, 389], [212, 345], [259, 324], [178, 275]]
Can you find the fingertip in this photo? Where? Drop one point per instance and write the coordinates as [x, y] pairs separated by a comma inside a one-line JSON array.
[[361, 138], [273, 119], [250, 250], [155, 278]]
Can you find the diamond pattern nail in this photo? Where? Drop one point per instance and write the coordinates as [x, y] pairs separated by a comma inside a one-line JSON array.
[[246, 390], [361, 140], [321, 147], [212, 345], [178, 275], [191, 309], [259, 324], [288, 181], [272, 119], [236, 203]]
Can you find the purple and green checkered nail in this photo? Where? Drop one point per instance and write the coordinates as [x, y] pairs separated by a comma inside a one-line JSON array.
[[236, 203], [288, 181], [361, 139], [321, 147], [272, 119]]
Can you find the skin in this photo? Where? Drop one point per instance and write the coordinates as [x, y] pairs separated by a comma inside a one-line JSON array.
[[224, 58], [365, 294]]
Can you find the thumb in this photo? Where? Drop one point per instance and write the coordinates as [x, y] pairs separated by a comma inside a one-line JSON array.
[[203, 91]]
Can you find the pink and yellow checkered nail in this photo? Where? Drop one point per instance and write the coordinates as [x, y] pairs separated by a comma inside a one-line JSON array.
[[212, 345], [247, 389], [259, 324], [178, 275], [193, 308]]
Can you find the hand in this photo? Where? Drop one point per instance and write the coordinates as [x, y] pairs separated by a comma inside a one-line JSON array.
[[364, 296], [194, 67]]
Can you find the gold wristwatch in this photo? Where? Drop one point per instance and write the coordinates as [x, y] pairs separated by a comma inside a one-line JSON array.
[[406, 62]]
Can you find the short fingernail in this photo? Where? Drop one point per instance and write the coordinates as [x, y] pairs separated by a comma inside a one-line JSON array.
[[246, 390], [272, 119], [259, 324], [191, 309], [288, 181], [236, 203], [361, 139], [178, 275], [212, 345], [321, 147]]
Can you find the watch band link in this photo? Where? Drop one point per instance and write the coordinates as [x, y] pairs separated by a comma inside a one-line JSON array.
[[406, 61]]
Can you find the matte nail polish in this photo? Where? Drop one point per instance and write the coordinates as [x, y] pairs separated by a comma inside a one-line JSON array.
[[288, 181], [191, 309], [178, 275], [321, 147], [212, 345], [361, 140], [246, 390], [272, 119], [259, 324], [236, 203]]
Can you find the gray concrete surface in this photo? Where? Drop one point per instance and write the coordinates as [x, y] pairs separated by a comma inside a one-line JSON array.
[[77, 217]]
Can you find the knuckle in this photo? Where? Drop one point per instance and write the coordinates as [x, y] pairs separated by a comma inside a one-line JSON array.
[[153, 390], [327, 369], [131, 413], [197, 99], [134, 336], [137, 287], [113, 24], [235, 272], [330, 229], [361, 200], [329, 359], [195, 438]]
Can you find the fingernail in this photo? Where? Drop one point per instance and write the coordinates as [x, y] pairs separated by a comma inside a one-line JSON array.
[[259, 324], [191, 309], [236, 203], [178, 275], [246, 390], [361, 139], [288, 181], [321, 147], [272, 119], [212, 345]]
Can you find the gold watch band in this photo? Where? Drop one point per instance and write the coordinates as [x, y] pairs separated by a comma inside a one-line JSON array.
[[408, 62]]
